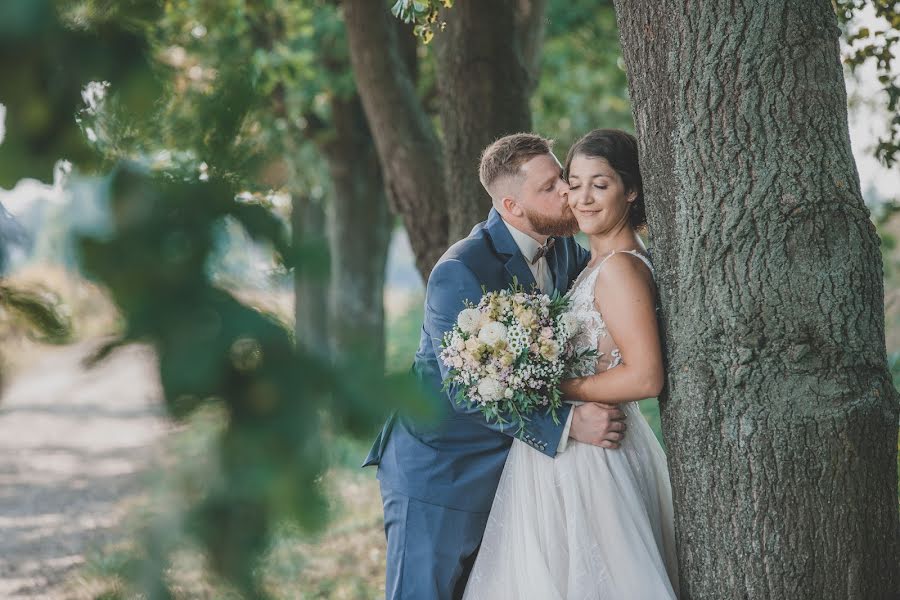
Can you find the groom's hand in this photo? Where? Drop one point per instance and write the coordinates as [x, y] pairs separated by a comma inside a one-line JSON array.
[[598, 424]]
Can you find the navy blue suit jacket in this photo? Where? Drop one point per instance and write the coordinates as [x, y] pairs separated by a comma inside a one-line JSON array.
[[455, 459]]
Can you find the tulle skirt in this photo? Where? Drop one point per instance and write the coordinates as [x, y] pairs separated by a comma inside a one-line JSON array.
[[590, 524]]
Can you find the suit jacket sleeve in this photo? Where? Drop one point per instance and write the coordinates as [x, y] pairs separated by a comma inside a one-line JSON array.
[[450, 285]]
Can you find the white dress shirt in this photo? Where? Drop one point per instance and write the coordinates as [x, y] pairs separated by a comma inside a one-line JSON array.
[[529, 246]]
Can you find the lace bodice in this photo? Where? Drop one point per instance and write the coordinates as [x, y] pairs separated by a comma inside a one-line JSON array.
[[592, 331]]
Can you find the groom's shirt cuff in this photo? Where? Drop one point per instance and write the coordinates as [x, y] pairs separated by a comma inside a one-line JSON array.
[[565, 434]]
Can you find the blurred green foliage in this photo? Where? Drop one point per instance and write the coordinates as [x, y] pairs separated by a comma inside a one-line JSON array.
[[42, 313], [878, 46], [583, 83], [44, 67], [218, 134]]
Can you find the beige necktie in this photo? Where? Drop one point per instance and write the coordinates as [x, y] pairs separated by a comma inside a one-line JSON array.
[[541, 269], [542, 276]]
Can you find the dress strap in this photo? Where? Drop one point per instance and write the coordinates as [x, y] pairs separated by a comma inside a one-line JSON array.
[[645, 260]]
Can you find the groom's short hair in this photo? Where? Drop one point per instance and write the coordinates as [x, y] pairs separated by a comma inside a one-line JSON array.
[[505, 156]]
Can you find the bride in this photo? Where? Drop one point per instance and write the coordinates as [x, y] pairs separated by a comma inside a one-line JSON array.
[[605, 529]]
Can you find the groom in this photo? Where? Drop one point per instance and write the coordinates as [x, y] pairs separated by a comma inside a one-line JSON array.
[[438, 478]]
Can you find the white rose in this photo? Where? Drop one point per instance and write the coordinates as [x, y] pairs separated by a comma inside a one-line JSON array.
[[569, 323], [526, 318], [469, 320], [490, 389], [492, 333], [550, 350], [508, 393], [546, 332]]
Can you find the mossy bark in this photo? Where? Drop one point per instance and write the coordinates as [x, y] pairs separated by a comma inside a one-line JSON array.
[[779, 416]]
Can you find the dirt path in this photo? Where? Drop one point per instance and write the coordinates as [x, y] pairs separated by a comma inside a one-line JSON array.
[[73, 443]]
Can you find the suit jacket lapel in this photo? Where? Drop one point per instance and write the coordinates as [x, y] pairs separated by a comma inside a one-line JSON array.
[[518, 268], [506, 246]]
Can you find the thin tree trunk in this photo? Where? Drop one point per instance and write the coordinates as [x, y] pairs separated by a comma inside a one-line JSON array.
[[780, 418], [410, 152], [359, 226], [487, 72], [310, 285]]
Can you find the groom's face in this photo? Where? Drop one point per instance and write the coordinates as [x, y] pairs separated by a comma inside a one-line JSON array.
[[542, 197]]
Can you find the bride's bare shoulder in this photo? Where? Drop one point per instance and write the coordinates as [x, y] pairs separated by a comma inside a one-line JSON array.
[[624, 271]]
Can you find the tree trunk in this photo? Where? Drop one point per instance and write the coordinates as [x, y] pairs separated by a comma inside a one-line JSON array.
[[487, 72], [779, 417], [359, 226], [410, 152], [487, 62], [310, 285]]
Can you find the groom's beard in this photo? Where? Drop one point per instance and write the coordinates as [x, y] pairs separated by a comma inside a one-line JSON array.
[[564, 226]]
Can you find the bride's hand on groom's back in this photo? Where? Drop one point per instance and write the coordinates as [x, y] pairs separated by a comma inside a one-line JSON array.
[[598, 424]]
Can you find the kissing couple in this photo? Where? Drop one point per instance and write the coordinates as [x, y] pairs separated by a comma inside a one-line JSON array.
[[572, 508]]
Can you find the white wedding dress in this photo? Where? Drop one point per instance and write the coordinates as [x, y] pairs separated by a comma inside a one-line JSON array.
[[590, 524]]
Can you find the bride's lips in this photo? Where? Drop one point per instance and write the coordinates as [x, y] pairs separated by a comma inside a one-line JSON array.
[[587, 213]]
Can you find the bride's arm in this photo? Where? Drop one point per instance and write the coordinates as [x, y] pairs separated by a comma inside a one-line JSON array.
[[625, 298]]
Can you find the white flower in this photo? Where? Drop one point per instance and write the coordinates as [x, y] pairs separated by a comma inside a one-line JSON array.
[[527, 318], [508, 393], [546, 332], [550, 350], [490, 389], [459, 344], [492, 333], [569, 323], [469, 320]]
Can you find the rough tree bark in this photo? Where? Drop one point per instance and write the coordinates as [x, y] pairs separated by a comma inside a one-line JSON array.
[[779, 417], [359, 228], [486, 52]]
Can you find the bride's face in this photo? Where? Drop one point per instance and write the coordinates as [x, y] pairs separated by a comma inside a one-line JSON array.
[[597, 195]]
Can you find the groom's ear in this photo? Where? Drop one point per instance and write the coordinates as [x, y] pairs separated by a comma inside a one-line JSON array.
[[511, 206]]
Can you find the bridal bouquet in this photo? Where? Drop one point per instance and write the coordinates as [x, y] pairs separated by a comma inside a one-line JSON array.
[[509, 353]]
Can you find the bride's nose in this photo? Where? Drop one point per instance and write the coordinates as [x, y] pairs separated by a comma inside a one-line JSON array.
[[581, 195]]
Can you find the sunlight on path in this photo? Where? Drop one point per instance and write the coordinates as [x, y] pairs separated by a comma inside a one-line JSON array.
[[72, 445]]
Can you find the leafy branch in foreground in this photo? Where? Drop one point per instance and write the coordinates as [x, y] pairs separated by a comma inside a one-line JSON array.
[[40, 312]]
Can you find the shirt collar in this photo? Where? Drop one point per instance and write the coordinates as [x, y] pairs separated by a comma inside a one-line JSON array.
[[528, 246]]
